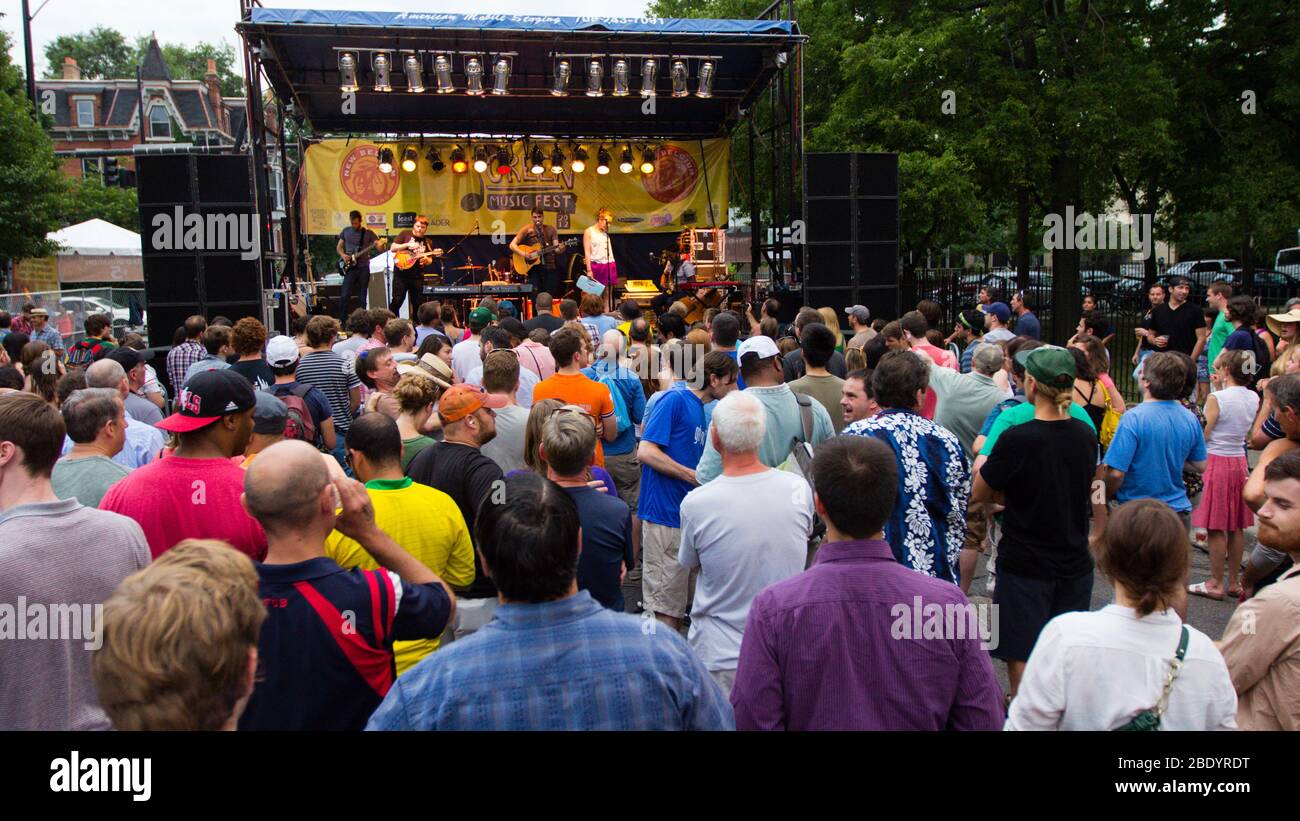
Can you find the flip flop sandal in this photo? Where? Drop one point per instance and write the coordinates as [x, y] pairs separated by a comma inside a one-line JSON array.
[[1199, 589]]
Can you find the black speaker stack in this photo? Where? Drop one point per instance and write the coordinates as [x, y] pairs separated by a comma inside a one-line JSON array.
[[181, 281], [851, 231]]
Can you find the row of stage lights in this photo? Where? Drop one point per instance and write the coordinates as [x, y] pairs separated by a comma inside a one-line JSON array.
[[413, 68], [501, 155]]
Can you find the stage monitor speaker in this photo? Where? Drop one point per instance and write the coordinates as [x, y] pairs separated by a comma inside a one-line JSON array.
[[852, 232], [203, 273]]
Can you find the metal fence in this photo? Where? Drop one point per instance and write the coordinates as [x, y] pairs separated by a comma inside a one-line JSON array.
[[69, 309], [1120, 291]]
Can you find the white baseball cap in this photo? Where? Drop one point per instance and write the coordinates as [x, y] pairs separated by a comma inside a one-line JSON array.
[[759, 345], [281, 351]]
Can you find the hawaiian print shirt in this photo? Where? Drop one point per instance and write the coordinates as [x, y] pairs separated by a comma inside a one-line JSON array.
[[928, 525]]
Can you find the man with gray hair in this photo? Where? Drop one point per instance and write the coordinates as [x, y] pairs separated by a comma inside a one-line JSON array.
[[96, 423], [569, 448], [143, 442], [964, 400], [740, 548]]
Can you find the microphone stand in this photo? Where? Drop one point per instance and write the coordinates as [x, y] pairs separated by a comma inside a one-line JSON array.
[[459, 242]]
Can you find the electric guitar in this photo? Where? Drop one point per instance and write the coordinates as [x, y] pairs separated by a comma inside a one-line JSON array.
[[530, 256]]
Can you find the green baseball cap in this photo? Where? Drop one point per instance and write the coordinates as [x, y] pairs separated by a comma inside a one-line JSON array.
[[482, 315], [1050, 365]]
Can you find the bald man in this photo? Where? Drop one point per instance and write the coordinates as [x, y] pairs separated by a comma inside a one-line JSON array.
[[326, 649]]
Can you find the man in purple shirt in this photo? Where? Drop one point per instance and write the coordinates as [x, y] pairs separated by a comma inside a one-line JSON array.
[[835, 647]]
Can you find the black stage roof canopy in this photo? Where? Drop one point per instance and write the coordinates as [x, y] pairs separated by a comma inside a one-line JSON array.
[[300, 53]]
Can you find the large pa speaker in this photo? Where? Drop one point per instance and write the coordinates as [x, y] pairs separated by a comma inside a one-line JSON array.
[[852, 232], [196, 270]]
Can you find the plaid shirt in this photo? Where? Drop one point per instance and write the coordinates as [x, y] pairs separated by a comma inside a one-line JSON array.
[[560, 665], [49, 336], [179, 360]]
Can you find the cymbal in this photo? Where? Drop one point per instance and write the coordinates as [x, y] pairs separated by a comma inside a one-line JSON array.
[[468, 268]]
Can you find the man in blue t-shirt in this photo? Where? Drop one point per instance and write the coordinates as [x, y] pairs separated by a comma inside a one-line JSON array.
[[1156, 441], [671, 446]]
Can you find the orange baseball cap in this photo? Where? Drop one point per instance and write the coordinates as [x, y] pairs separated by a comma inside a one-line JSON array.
[[460, 401]]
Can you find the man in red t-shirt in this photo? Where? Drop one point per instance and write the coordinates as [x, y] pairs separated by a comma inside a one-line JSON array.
[[194, 493]]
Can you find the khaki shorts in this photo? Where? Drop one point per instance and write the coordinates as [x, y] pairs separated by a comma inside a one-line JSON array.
[[977, 526], [726, 679], [665, 584], [626, 471]]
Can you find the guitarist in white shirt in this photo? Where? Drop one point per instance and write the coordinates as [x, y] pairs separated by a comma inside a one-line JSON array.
[[546, 275]]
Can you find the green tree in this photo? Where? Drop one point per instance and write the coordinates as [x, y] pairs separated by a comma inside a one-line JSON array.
[[31, 187], [90, 199], [101, 53]]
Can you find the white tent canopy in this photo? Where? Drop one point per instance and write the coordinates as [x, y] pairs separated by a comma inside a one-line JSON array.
[[96, 238]]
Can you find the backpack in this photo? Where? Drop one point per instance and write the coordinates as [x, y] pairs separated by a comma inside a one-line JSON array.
[[621, 410], [82, 354], [800, 461], [1263, 361], [300, 424]]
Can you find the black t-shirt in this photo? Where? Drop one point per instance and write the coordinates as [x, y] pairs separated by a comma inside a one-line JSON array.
[[1180, 326], [466, 475], [547, 236], [421, 266], [257, 372], [548, 322], [606, 544], [354, 240], [1044, 471]]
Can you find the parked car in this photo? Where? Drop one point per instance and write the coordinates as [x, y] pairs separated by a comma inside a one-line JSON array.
[[1288, 261]]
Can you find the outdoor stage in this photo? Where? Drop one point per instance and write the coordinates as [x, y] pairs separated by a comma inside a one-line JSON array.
[[540, 103]]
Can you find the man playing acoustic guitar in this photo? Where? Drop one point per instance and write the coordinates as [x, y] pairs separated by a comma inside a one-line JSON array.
[[415, 255], [546, 275]]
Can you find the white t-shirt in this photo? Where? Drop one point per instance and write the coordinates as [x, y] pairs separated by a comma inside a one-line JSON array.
[[745, 533], [599, 245], [527, 381], [466, 355], [1237, 408], [1095, 671]]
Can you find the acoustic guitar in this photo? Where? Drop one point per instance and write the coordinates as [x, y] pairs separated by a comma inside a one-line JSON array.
[[530, 256], [404, 260]]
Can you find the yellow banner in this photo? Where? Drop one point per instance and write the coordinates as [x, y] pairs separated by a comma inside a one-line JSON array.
[[344, 175], [36, 274]]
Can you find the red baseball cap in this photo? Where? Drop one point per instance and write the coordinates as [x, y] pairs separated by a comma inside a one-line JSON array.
[[207, 397]]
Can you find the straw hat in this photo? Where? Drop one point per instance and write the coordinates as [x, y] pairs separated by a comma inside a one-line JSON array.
[[429, 366], [1275, 320]]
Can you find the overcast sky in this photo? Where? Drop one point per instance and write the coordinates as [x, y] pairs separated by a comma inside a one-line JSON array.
[[213, 20]]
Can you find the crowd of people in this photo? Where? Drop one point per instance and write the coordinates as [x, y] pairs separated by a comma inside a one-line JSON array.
[[612, 520]]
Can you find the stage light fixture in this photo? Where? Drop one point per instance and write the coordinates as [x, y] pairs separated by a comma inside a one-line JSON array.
[[648, 161], [679, 79], [649, 70], [539, 161], [503, 161], [705, 88], [602, 161], [480, 159], [557, 160], [414, 69], [474, 77], [382, 65], [500, 76], [620, 78], [410, 159], [560, 86], [458, 164], [625, 161], [442, 70], [386, 160], [579, 163], [595, 73], [435, 160], [348, 71]]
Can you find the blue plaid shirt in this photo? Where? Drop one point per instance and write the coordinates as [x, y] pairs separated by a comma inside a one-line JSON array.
[[49, 336], [928, 525], [562, 665]]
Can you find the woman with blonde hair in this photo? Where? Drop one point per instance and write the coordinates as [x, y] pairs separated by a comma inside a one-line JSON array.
[[832, 320], [417, 420]]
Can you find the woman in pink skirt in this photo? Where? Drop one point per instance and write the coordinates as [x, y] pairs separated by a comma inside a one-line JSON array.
[[1229, 411], [600, 255]]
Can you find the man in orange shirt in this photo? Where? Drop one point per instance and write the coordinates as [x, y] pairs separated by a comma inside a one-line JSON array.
[[569, 385]]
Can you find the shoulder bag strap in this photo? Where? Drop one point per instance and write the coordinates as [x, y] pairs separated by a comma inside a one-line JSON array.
[[1175, 667]]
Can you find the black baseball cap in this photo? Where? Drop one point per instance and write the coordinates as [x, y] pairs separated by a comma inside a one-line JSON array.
[[128, 358], [207, 397]]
